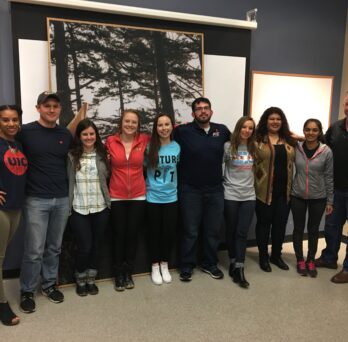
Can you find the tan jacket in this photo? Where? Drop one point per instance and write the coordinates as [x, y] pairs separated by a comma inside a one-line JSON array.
[[264, 168]]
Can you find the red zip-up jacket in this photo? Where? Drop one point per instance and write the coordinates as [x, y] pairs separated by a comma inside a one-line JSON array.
[[127, 179]]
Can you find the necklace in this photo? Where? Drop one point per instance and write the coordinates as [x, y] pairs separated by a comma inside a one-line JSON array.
[[13, 149]]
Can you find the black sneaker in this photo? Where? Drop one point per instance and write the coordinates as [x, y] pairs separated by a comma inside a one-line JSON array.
[[53, 294], [214, 272], [186, 275], [128, 281], [27, 304], [119, 282]]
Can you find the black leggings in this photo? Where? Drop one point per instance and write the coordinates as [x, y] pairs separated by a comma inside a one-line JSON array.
[[89, 231], [271, 219], [316, 208], [162, 219], [126, 218]]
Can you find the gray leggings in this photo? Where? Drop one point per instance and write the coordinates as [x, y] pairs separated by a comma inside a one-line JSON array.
[[9, 221]]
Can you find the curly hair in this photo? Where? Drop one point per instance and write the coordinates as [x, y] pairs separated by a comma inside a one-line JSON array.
[[284, 131]]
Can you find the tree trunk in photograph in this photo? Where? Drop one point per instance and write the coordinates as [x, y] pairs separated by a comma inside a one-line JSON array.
[[119, 83], [75, 67], [62, 73], [162, 75]]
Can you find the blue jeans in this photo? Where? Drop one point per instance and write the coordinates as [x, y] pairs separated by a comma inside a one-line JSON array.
[[200, 207], [238, 217], [45, 221], [334, 226]]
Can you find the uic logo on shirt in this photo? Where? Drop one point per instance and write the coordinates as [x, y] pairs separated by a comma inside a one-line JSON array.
[[16, 162]]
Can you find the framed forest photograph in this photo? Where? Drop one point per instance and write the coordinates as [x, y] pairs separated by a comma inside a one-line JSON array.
[[114, 67]]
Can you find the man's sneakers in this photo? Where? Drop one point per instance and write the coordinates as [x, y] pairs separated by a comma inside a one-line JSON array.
[[53, 294], [27, 302], [186, 275], [214, 272]]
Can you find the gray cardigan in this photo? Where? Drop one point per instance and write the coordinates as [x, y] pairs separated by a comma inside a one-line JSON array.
[[103, 173], [314, 176]]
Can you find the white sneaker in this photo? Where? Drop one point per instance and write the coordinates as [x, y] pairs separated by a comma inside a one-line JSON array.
[[167, 278], [156, 275]]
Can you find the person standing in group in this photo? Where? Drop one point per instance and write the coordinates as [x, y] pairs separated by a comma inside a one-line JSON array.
[[13, 167], [312, 191], [336, 138], [239, 193], [273, 178], [127, 191], [201, 196], [89, 201], [46, 209], [161, 196]]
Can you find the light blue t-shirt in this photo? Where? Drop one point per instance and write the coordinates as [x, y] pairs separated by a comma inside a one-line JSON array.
[[161, 183]]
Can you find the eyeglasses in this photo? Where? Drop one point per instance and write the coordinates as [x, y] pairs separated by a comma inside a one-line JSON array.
[[199, 109]]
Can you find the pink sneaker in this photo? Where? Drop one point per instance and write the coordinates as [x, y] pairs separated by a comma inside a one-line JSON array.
[[301, 268], [312, 271]]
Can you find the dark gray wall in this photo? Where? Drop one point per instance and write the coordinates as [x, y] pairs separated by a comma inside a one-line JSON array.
[[293, 36]]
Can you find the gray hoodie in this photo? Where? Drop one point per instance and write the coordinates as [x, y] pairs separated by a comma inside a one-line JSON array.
[[314, 176]]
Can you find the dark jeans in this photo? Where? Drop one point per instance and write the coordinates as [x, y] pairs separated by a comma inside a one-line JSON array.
[[89, 232], [334, 226], [299, 207], [200, 207], [238, 217], [126, 218], [271, 219], [162, 224]]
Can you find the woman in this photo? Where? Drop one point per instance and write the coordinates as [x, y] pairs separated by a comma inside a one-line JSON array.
[[161, 196], [88, 173], [273, 177], [127, 191], [239, 194], [312, 191], [13, 167]]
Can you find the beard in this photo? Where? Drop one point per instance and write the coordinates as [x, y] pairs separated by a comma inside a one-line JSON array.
[[203, 121]]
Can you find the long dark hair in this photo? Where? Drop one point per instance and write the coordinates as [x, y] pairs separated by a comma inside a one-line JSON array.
[[284, 132], [77, 146], [320, 127], [155, 142], [235, 137]]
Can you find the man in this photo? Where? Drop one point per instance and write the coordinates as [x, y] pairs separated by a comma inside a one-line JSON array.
[[200, 187], [46, 208], [337, 138]]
